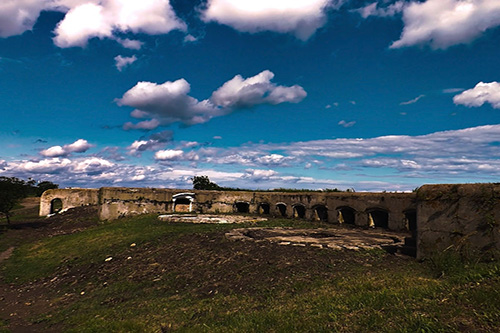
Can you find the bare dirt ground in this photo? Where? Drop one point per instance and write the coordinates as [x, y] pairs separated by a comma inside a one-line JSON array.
[[20, 302]]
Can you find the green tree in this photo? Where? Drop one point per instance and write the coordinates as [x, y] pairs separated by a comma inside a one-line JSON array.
[[204, 183], [44, 186], [12, 190]]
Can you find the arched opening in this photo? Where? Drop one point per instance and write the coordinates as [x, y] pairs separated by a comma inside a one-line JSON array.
[[321, 213], [411, 218], [346, 215], [242, 207], [183, 202], [182, 205], [56, 206], [281, 207], [264, 208], [299, 211], [378, 218]]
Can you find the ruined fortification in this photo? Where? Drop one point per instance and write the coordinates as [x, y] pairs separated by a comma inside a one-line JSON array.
[[439, 216]]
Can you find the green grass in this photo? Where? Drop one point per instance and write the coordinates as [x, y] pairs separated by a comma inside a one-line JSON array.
[[350, 304], [380, 297], [39, 259]]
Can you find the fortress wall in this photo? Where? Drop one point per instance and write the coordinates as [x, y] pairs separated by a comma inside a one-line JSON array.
[[115, 202], [462, 217], [118, 202], [70, 198]]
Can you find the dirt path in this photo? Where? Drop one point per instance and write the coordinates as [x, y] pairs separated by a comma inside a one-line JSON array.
[[6, 254]]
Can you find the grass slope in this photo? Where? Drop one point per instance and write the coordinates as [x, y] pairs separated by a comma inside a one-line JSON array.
[[189, 277]]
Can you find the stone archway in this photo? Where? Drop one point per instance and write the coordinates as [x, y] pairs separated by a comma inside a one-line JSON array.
[[264, 208], [378, 218], [183, 202], [242, 207], [299, 211], [56, 206], [281, 208], [320, 213], [346, 214]]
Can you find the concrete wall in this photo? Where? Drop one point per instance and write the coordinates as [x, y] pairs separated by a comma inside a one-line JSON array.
[[118, 202], [461, 217], [70, 198]]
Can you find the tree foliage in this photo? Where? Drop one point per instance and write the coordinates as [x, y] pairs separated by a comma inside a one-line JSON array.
[[204, 183], [13, 189]]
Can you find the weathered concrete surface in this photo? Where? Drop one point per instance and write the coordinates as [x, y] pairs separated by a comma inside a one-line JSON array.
[[117, 202], [465, 218], [332, 238], [210, 218], [70, 198]]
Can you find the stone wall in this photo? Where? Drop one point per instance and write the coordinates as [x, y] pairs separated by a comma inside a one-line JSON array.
[[463, 218], [70, 198], [118, 202]]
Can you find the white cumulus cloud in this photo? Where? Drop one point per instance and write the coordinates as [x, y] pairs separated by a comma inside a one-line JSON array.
[[480, 94], [175, 155], [167, 103], [259, 175], [170, 102], [79, 146], [443, 23], [18, 16], [299, 17], [242, 93]]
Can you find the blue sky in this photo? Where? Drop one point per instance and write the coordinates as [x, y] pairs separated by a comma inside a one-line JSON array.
[[370, 95]]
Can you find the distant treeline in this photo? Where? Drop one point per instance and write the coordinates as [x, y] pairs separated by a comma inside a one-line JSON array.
[[25, 188]]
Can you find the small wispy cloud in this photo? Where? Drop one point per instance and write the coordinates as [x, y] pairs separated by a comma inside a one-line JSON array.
[[346, 124], [412, 101], [452, 90], [122, 62]]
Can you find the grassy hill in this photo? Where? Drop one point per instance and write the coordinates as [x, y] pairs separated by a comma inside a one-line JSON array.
[[72, 273]]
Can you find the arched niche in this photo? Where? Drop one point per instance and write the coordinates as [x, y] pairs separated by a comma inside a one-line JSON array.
[[378, 217], [56, 206], [242, 207], [183, 202], [320, 213], [299, 211], [346, 214], [264, 208], [281, 208]]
